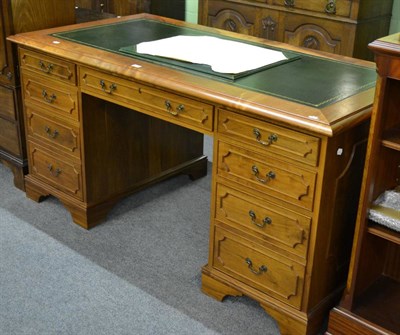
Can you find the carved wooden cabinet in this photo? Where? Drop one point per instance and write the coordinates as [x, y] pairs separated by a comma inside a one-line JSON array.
[[371, 301], [342, 27], [18, 16]]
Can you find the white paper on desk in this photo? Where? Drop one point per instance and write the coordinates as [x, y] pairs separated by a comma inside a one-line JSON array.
[[224, 56]]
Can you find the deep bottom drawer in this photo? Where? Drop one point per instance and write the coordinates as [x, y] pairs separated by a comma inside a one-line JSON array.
[[262, 269], [57, 171]]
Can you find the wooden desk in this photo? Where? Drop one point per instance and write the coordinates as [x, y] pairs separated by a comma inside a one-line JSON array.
[[289, 146]]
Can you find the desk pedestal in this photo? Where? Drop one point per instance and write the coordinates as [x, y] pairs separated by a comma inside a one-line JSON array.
[[125, 151]]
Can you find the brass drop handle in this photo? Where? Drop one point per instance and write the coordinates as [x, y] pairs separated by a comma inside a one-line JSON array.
[[49, 133], [50, 99], [270, 175], [44, 68], [260, 270], [271, 138], [289, 3], [264, 222], [168, 105], [330, 7], [170, 109], [110, 89], [54, 173]]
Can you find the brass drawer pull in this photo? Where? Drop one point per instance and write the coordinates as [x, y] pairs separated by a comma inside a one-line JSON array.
[[271, 138], [180, 108], [50, 99], [169, 107], [330, 7], [54, 173], [270, 175], [260, 270], [49, 133], [289, 3], [265, 221], [44, 68], [111, 88], [170, 110]]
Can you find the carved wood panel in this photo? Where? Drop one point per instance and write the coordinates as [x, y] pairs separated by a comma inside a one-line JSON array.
[[313, 37], [231, 20]]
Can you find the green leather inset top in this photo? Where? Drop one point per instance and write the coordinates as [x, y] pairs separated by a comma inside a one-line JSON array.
[[304, 79]]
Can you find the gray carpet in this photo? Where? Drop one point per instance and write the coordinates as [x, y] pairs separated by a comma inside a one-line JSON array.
[[137, 273]]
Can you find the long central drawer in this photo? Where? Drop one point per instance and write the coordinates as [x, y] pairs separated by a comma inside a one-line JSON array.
[[161, 104]]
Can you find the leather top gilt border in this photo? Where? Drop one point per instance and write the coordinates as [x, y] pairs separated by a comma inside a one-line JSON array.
[[313, 81]]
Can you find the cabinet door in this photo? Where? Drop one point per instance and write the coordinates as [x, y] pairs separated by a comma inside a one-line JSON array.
[[319, 34], [231, 17]]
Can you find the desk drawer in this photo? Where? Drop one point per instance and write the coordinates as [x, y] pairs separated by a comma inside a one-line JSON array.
[[274, 224], [267, 175], [58, 171], [165, 105], [260, 268], [266, 137], [50, 67], [56, 97], [53, 132]]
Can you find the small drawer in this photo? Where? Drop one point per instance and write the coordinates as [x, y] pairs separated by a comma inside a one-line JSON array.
[[266, 137], [274, 224], [50, 67], [333, 7], [258, 267], [54, 169], [7, 105], [9, 137], [53, 96], [61, 135], [167, 106], [267, 175]]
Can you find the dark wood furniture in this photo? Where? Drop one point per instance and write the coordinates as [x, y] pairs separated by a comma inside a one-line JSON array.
[[92, 10], [343, 27], [288, 162], [117, 7], [371, 301], [88, 10], [17, 16]]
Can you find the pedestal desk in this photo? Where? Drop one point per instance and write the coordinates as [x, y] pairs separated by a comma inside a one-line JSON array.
[[289, 146]]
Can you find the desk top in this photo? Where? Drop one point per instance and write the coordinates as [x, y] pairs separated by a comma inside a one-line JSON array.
[[312, 90]]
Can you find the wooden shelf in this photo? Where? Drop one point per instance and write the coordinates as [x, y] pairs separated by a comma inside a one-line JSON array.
[[385, 233], [370, 304], [380, 304], [392, 139]]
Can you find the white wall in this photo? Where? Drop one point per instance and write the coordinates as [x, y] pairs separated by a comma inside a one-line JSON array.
[[191, 10], [395, 23]]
